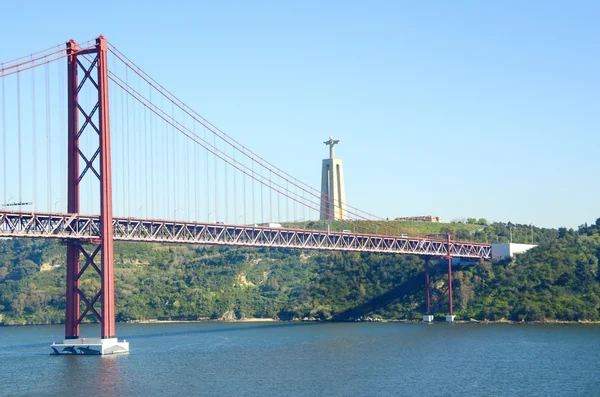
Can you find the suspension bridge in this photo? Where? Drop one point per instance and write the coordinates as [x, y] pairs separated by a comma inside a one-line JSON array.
[[101, 152]]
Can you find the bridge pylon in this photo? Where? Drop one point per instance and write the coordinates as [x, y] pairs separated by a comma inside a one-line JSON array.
[[95, 121]]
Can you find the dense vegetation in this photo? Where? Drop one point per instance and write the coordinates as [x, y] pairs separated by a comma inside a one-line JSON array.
[[470, 229], [559, 280]]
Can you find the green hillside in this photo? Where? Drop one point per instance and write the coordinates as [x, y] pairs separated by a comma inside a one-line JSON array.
[[492, 233], [557, 281]]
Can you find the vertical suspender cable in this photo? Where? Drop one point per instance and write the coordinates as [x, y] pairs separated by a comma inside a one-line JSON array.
[[166, 172], [188, 208], [123, 165], [19, 138], [304, 204], [196, 184], [152, 180], [180, 174], [235, 218], [141, 154], [3, 137], [48, 138], [146, 155], [226, 189], [113, 115], [207, 183], [216, 182], [33, 136], [123, 150], [128, 164], [136, 152], [244, 197], [117, 133], [63, 141], [262, 201], [131, 155], [253, 196], [174, 162], [131, 160]]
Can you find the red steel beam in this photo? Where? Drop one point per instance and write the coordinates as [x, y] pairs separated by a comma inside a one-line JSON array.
[[106, 213], [427, 285], [449, 256], [72, 297]]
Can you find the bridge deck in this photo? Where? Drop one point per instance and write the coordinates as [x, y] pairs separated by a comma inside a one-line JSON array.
[[87, 227]]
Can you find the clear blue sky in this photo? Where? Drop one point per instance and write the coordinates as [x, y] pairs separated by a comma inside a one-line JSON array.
[[455, 109]]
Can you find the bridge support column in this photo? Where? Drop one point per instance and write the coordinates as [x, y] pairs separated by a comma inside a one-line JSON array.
[[106, 215], [97, 121], [72, 297], [428, 317], [450, 317]]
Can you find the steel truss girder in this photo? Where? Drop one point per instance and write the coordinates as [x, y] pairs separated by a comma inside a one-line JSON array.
[[87, 227]]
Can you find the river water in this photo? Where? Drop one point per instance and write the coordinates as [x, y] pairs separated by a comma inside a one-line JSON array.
[[322, 359]]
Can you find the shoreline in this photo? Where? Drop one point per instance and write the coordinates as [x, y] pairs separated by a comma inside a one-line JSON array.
[[207, 320], [270, 320]]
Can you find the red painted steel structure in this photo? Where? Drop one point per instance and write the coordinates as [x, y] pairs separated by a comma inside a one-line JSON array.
[[75, 249], [86, 228], [427, 285], [449, 256], [106, 214], [73, 253]]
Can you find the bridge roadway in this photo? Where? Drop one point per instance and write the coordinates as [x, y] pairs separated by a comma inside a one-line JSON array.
[[87, 229]]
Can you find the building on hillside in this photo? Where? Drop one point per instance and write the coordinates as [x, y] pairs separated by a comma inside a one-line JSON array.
[[501, 251], [425, 218], [333, 191]]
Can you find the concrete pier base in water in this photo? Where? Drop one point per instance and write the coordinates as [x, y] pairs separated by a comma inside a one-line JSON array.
[[90, 346], [428, 318], [450, 318]]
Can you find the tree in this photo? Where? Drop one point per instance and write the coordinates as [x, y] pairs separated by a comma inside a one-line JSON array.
[[463, 234], [451, 230], [562, 232], [482, 221], [24, 269]]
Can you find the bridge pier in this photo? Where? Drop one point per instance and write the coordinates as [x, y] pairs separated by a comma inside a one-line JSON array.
[[450, 317], [428, 317], [96, 122], [90, 346]]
